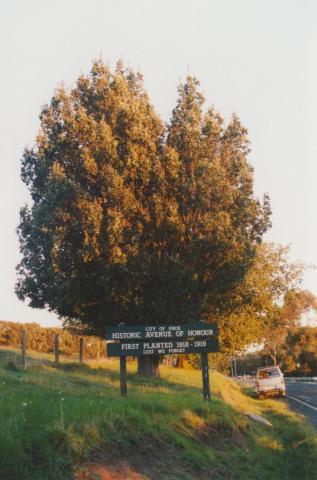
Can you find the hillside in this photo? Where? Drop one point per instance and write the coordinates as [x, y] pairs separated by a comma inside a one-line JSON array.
[[72, 423]]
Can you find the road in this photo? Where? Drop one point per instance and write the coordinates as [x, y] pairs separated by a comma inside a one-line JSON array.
[[302, 397]]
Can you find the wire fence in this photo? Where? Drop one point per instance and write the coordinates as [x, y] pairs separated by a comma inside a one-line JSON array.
[[21, 357], [10, 357]]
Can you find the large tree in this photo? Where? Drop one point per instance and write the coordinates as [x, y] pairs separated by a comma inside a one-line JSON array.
[[132, 221]]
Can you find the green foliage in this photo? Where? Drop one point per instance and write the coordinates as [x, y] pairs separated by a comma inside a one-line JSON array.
[[249, 310], [132, 221], [297, 303], [300, 357], [285, 317], [297, 353]]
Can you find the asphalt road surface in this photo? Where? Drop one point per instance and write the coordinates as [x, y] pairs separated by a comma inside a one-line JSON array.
[[302, 397]]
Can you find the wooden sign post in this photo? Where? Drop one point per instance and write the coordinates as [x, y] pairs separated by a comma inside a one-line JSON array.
[[205, 376], [123, 377], [142, 340]]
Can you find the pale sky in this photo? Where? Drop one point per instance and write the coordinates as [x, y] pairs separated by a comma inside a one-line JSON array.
[[255, 57]]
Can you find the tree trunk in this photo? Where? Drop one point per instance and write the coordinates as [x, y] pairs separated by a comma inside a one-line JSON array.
[[181, 361], [149, 366]]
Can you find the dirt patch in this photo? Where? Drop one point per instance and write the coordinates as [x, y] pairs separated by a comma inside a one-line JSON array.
[[151, 461], [121, 471], [155, 458]]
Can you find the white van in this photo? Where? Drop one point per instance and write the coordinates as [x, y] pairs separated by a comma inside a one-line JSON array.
[[270, 381]]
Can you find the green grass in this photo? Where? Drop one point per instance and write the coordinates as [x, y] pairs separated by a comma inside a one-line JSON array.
[[54, 420]]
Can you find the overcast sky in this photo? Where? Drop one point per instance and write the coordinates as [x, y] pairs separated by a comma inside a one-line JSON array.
[[254, 57]]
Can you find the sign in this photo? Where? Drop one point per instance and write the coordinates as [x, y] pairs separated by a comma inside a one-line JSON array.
[[161, 332], [162, 347], [137, 340]]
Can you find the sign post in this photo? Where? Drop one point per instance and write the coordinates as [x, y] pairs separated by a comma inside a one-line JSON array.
[[205, 376], [123, 376], [133, 341]]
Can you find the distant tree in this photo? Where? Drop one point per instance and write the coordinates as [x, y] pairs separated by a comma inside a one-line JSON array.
[[130, 222], [301, 351], [286, 316], [245, 311], [296, 304]]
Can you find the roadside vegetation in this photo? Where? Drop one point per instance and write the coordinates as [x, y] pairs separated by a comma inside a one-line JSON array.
[[70, 422], [41, 339], [297, 356]]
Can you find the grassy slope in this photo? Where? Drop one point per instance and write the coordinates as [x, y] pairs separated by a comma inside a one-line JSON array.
[[54, 419]]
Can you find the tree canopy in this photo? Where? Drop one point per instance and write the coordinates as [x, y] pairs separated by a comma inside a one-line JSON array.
[[300, 352], [286, 318], [132, 220], [249, 312]]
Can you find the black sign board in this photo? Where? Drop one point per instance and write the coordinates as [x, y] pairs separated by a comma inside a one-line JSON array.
[[137, 340], [162, 347], [161, 332]]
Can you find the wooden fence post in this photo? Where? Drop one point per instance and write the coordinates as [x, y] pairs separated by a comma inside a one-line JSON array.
[[205, 376], [81, 350], [123, 376], [23, 348], [98, 351], [123, 373], [56, 349]]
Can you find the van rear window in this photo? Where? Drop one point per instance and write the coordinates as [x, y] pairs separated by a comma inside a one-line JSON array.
[[268, 373]]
